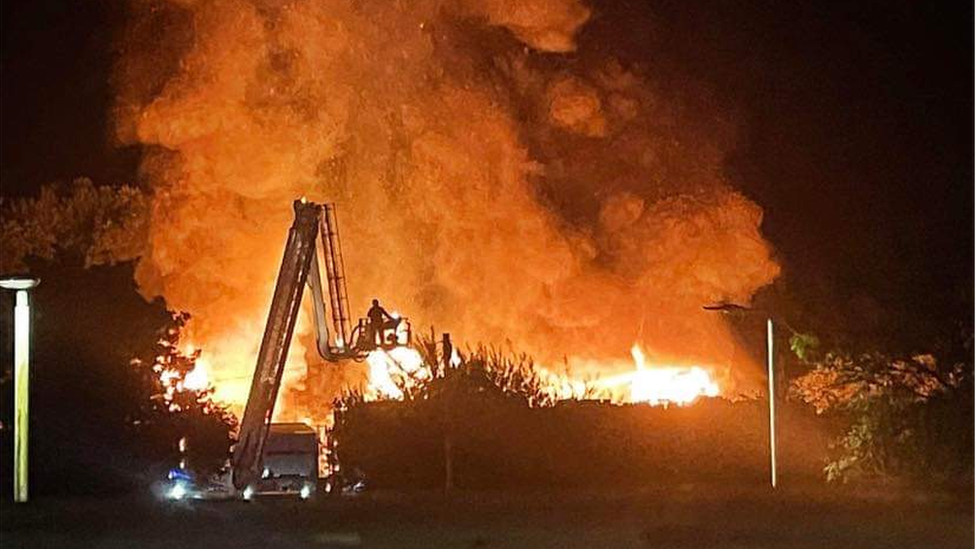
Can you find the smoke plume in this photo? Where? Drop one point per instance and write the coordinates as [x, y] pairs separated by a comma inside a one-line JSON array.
[[492, 179]]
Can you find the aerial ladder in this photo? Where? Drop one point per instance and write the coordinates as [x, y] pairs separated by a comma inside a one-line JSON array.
[[300, 267]]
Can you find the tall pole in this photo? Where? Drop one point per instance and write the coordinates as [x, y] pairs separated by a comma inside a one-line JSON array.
[[772, 403], [21, 393]]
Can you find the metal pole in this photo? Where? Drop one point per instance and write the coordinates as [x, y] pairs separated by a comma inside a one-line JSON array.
[[772, 403], [21, 391]]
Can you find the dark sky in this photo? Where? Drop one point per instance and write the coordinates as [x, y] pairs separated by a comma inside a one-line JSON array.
[[56, 64], [856, 116], [858, 144]]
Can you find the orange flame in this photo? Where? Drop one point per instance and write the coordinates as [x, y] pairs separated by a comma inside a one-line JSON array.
[[668, 384], [553, 204]]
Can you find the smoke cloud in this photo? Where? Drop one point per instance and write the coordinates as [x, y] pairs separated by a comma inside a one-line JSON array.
[[492, 180]]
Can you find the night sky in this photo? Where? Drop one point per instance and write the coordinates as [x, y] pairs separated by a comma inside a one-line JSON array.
[[856, 123]]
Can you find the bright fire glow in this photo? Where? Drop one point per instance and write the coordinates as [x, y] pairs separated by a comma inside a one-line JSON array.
[[654, 384], [399, 369], [657, 385], [173, 382], [660, 385], [197, 379], [387, 368], [321, 100]]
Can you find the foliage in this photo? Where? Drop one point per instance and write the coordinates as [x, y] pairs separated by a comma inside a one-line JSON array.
[[174, 412], [492, 420], [901, 413], [94, 420], [803, 345], [442, 403], [498, 443], [485, 369], [102, 224]]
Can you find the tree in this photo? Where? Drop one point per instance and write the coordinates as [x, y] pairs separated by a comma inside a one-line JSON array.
[[96, 347], [430, 437], [101, 224], [906, 417], [179, 421]]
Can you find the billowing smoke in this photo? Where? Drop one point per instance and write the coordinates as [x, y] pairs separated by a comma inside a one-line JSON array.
[[492, 180]]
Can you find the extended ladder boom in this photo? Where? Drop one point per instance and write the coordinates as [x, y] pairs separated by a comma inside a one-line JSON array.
[[335, 274], [295, 265], [299, 266]]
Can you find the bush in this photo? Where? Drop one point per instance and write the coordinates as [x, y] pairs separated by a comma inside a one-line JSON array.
[[177, 422], [906, 417], [491, 417]]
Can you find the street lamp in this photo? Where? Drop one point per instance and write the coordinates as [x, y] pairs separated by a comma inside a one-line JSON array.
[[20, 284], [735, 308]]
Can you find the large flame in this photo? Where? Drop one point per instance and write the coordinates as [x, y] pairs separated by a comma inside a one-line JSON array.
[[642, 381], [197, 378], [668, 384], [492, 180], [392, 371]]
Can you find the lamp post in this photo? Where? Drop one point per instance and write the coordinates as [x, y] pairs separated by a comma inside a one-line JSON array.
[[734, 308], [772, 402], [21, 285]]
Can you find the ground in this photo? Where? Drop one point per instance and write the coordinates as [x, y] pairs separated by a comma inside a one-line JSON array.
[[690, 516]]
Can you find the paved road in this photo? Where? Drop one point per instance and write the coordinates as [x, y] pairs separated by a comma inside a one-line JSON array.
[[693, 517]]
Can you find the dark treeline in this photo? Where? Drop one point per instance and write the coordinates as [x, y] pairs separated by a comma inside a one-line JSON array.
[[87, 325], [94, 424], [498, 443]]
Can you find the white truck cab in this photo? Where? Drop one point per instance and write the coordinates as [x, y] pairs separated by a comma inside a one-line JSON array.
[[290, 462]]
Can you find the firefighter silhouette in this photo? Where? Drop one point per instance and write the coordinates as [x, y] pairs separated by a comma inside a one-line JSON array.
[[379, 322]]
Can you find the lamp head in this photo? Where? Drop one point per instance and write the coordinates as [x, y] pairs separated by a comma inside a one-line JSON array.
[[18, 282], [726, 307]]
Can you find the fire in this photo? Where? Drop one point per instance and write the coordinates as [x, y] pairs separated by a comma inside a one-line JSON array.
[[226, 364], [403, 363], [671, 385], [654, 384], [393, 372], [546, 202], [173, 381], [668, 384], [197, 379]]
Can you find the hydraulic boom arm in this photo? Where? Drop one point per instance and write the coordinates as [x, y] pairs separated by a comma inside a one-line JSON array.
[[299, 266], [299, 253]]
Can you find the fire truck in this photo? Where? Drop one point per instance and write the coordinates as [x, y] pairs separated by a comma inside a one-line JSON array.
[[271, 458]]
